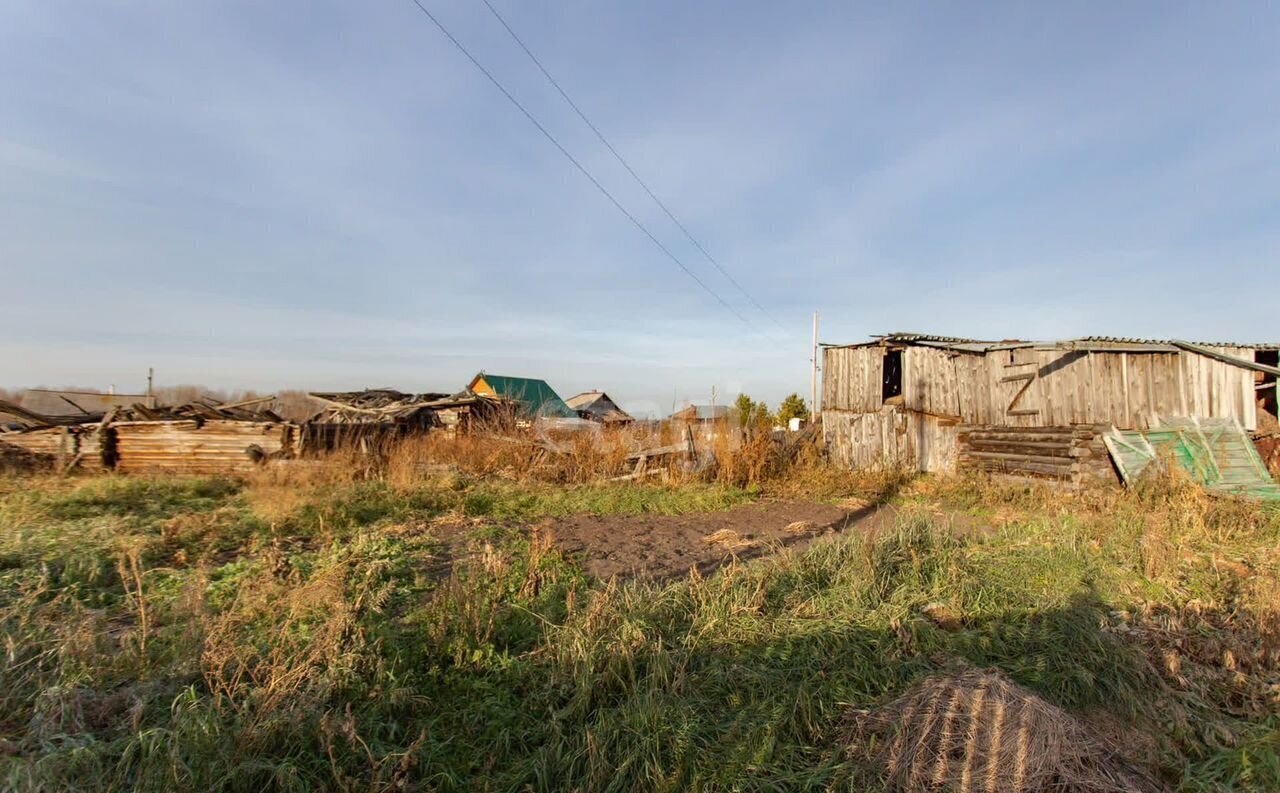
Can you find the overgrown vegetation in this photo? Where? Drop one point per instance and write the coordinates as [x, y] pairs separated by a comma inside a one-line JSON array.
[[321, 628]]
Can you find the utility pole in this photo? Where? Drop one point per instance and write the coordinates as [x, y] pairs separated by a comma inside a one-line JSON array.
[[813, 375], [712, 423], [151, 394]]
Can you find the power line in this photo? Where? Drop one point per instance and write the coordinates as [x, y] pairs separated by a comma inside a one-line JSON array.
[[622, 160], [604, 191]]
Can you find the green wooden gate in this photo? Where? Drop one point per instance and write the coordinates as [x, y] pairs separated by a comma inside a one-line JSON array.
[[1217, 453]]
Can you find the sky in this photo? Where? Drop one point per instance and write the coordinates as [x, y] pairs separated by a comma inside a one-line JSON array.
[[328, 195]]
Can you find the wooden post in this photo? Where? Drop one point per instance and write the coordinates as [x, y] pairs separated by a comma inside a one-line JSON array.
[[1124, 379], [813, 374], [712, 433], [64, 441]]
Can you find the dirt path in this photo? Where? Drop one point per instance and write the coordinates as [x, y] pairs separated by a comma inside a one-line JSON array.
[[667, 546]]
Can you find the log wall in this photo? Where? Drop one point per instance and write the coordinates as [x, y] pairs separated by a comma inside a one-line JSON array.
[[191, 447], [59, 446], [1073, 454]]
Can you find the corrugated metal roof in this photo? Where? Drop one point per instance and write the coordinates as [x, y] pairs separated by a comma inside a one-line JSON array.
[[539, 398], [911, 337], [1127, 340], [976, 345]]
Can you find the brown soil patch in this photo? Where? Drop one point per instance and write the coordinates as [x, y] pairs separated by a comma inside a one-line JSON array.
[[668, 546]]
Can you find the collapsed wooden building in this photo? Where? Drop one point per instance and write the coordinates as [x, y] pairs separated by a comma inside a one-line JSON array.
[[194, 438], [941, 403], [366, 419], [208, 437]]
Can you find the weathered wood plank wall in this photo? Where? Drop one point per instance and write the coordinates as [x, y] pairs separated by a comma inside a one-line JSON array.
[[1058, 387], [851, 378], [890, 438]]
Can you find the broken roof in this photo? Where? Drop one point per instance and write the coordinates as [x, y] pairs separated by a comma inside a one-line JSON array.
[[256, 409], [374, 405], [598, 404], [374, 398]]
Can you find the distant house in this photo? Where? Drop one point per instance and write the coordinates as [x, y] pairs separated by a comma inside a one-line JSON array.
[[597, 406], [702, 414], [535, 397]]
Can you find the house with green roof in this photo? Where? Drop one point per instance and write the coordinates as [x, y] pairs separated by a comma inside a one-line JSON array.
[[537, 399]]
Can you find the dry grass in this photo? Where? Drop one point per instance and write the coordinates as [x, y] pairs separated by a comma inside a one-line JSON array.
[[736, 459], [801, 527], [277, 491], [518, 454], [976, 731], [730, 540]]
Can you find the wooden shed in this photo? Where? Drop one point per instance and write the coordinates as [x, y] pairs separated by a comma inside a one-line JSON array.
[[1038, 408]]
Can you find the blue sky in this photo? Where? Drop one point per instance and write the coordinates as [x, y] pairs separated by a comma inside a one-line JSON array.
[[328, 195]]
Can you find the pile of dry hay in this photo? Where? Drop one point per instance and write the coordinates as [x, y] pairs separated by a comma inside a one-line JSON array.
[[976, 731], [729, 540]]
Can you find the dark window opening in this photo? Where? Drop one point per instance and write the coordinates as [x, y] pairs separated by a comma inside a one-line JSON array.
[[892, 386], [1266, 382]]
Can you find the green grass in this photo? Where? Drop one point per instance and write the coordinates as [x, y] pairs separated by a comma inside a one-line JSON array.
[[323, 649], [1253, 764]]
